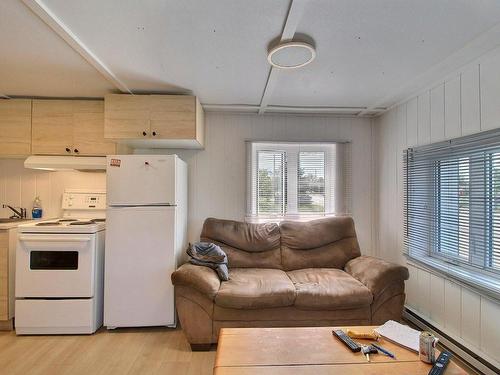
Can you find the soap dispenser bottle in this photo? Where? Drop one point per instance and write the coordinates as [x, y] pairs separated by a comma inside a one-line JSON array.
[[36, 213]]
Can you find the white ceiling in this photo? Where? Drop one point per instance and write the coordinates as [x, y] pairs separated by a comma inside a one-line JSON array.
[[366, 50], [35, 61]]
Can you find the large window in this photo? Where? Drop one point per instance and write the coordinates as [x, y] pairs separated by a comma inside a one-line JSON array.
[[288, 179], [452, 206]]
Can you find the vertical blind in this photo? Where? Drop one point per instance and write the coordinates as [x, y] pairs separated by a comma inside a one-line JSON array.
[[452, 202], [289, 179]]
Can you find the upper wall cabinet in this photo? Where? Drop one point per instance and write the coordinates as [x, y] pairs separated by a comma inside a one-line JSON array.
[[154, 121], [69, 127], [15, 127]]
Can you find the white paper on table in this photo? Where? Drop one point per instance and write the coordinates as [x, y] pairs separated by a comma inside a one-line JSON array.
[[400, 334]]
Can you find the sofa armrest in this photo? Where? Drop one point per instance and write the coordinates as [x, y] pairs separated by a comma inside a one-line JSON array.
[[203, 279], [376, 274]]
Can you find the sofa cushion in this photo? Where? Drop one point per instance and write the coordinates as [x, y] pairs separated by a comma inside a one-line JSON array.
[[328, 289], [255, 288], [245, 244], [329, 242]]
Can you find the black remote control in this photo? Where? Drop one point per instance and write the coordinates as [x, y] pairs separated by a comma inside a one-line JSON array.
[[346, 340], [440, 364]]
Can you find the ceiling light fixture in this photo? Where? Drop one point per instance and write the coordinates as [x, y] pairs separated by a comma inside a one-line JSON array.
[[291, 55]]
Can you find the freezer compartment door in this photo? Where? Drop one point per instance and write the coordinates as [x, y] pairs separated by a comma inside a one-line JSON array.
[[141, 180], [138, 264]]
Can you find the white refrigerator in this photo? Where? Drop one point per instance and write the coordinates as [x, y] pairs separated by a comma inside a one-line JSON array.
[[146, 235]]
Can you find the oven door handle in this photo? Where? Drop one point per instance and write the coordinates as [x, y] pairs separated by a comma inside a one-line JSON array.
[[53, 239]]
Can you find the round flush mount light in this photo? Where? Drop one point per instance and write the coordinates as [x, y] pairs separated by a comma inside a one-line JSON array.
[[291, 55]]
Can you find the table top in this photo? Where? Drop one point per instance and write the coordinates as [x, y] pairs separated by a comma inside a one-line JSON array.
[[308, 350]]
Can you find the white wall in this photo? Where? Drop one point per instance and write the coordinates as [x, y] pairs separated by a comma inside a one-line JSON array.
[[217, 174], [20, 186], [465, 102]]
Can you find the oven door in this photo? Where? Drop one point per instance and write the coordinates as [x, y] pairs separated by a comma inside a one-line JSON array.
[[55, 265]]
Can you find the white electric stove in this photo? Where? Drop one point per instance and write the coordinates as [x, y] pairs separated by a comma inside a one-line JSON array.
[[65, 225], [60, 268]]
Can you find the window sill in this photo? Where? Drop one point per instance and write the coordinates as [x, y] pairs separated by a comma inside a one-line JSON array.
[[483, 284]]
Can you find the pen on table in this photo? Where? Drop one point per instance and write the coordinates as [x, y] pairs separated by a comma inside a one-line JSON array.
[[384, 351]]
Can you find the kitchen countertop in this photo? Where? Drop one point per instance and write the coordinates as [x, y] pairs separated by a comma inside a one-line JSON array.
[[13, 224]]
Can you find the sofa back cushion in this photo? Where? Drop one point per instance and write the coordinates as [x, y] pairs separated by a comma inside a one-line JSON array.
[[246, 245], [323, 243]]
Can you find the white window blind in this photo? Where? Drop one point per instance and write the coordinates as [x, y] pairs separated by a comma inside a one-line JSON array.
[[297, 180], [452, 203], [311, 181], [270, 181]]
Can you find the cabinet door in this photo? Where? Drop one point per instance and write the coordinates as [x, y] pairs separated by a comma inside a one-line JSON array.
[[88, 129], [4, 275], [126, 116], [15, 127], [52, 127], [173, 117]]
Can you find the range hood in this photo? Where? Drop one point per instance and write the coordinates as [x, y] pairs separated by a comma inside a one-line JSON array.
[[65, 163]]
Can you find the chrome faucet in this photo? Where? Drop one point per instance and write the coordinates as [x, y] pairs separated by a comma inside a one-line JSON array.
[[21, 214]]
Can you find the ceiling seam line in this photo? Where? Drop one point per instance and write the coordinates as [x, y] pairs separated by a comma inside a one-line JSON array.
[[293, 17]]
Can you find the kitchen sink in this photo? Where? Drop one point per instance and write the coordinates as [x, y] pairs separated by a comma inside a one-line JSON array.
[[4, 220]]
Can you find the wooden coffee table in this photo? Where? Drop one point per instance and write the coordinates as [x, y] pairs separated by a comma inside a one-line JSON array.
[[308, 351]]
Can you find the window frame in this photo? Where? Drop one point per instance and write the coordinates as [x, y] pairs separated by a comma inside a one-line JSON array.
[[331, 175], [478, 270]]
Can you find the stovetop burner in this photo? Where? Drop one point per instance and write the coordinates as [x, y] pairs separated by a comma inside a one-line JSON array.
[[81, 223], [48, 223]]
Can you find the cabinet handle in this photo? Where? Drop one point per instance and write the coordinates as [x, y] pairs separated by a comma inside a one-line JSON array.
[[76, 151], [154, 134], [68, 149], [144, 133]]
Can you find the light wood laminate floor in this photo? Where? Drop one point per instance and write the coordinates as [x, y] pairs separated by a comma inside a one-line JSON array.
[[122, 351]]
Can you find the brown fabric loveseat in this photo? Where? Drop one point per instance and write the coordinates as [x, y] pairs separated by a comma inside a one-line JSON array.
[[292, 274]]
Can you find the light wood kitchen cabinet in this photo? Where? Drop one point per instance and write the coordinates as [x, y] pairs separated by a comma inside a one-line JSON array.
[[154, 120], [88, 129], [8, 239], [69, 127], [126, 116], [15, 127], [52, 128]]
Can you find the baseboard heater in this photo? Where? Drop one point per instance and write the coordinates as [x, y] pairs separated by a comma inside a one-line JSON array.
[[475, 361]]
